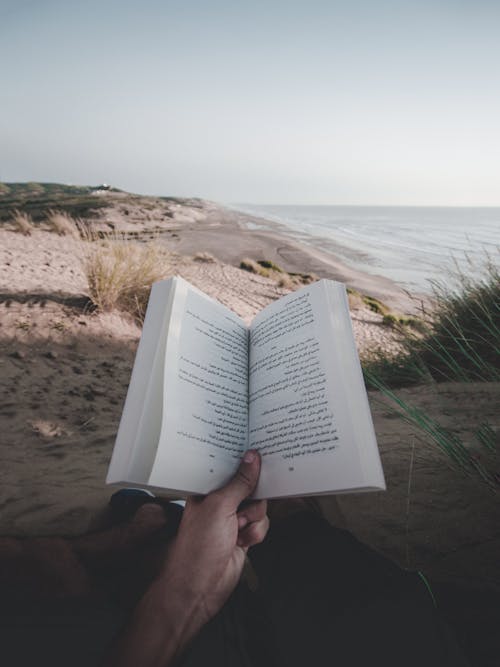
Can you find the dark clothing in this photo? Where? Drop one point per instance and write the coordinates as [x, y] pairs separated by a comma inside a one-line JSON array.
[[325, 599]]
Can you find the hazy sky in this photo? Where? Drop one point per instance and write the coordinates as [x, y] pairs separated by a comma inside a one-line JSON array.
[[271, 101]]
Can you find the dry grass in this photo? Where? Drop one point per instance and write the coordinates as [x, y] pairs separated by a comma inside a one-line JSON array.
[[120, 272], [286, 282], [250, 265], [23, 222], [284, 279], [204, 257], [62, 223]]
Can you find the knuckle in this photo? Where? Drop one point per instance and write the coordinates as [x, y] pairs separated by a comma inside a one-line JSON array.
[[261, 509], [258, 531], [244, 479]]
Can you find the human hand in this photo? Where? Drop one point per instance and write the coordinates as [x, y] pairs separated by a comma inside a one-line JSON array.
[[202, 567], [207, 556]]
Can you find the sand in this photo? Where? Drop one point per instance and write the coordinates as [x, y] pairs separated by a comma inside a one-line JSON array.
[[231, 236], [65, 371]]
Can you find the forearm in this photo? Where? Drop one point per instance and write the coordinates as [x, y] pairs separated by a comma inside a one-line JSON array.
[[162, 625], [202, 568]]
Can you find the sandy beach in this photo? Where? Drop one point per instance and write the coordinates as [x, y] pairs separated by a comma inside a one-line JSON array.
[[230, 235], [65, 372], [65, 368]]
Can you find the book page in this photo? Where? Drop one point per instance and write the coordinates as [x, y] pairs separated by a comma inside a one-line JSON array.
[[299, 417], [139, 430], [205, 397]]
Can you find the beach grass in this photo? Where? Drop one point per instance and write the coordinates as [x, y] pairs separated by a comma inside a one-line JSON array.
[[268, 269], [459, 342], [22, 222], [120, 272], [204, 258], [464, 343], [63, 223]]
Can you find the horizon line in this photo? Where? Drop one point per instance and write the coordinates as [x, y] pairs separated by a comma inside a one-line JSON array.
[[236, 204]]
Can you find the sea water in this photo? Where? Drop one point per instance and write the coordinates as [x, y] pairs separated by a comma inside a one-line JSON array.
[[410, 245]]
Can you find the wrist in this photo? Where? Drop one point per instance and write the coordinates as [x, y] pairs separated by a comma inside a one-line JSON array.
[[164, 622], [176, 607]]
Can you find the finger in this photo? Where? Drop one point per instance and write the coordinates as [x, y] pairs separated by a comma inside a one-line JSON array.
[[254, 511], [244, 481], [254, 533]]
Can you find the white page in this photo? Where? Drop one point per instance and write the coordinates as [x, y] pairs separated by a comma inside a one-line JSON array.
[[140, 420], [299, 415], [354, 391], [205, 395]]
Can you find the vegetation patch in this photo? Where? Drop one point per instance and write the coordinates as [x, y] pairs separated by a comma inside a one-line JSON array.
[[63, 224], [375, 305], [36, 198], [251, 266], [204, 257], [120, 272], [271, 270], [22, 222], [396, 321], [458, 341], [271, 266]]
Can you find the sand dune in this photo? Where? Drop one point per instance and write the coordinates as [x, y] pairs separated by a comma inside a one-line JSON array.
[[65, 372]]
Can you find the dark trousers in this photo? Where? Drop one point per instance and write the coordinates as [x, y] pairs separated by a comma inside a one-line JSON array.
[[325, 599]]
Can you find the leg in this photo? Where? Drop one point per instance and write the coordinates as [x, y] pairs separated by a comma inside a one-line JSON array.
[[329, 598]]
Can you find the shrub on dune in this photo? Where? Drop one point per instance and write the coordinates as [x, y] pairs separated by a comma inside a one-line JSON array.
[[22, 222], [464, 339], [461, 343], [458, 340], [62, 223], [120, 272]]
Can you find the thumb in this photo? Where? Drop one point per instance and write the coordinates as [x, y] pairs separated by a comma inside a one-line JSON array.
[[245, 480]]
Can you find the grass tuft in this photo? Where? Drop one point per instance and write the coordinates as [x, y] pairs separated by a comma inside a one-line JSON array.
[[375, 305], [204, 258], [120, 272], [397, 321], [23, 222], [459, 340], [284, 279], [62, 223], [464, 339], [250, 265], [267, 264]]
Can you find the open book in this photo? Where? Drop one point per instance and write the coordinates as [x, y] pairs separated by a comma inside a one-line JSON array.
[[205, 387]]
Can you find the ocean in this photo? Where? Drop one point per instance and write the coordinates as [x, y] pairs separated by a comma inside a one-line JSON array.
[[410, 245]]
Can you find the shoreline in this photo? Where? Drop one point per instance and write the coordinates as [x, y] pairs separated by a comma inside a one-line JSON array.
[[66, 369], [191, 226], [225, 234]]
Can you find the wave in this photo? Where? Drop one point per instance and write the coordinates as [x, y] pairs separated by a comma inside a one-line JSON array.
[[411, 245]]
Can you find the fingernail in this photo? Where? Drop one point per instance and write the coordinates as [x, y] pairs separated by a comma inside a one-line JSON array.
[[249, 457], [242, 522]]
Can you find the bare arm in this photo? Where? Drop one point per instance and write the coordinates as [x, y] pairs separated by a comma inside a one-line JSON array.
[[201, 570]]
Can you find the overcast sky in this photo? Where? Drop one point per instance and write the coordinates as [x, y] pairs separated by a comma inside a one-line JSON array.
[[262, 102]]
